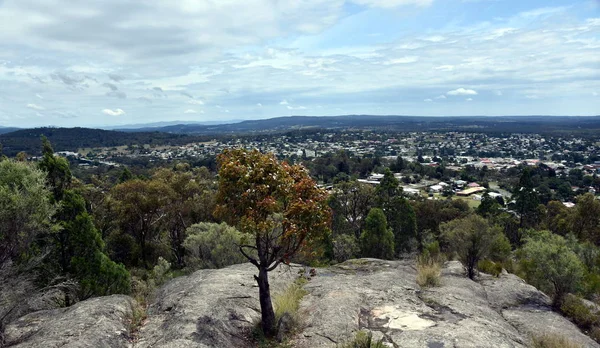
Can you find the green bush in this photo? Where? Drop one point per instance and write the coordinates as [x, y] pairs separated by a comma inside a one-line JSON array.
[[211, 245], [433, 250], [500, 248], [489, 267], [363, 339], [576, 310], [550, 265], [345, 247]]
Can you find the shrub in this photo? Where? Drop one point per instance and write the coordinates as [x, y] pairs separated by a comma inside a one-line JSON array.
[[428, 272], [363, 339], [489, 267], [345, 247], [500, 248], [433, 250], [471, 239], [211, 245], [550, 265], [552, 341], [575, 309]]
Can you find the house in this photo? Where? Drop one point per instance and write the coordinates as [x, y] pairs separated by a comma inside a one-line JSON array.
[[436, 188], [460, 183], [473, 184], [470, 191]]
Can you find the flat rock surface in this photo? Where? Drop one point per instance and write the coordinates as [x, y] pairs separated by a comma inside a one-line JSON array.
[[209, 308], [97, 322], [220, 308]]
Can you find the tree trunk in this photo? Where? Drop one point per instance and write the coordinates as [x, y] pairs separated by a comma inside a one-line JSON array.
[[266, 306]]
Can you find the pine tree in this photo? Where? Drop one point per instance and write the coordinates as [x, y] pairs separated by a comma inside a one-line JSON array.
[[377, 240]]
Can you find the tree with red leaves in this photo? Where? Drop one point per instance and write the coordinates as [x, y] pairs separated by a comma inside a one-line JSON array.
[[277, 205]]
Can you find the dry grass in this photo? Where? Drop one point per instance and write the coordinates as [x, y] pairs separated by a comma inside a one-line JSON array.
[[428, 272], [289, 300], [553, 341], [362, 339]]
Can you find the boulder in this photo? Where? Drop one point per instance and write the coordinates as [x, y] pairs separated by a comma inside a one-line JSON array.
[[97, 322]]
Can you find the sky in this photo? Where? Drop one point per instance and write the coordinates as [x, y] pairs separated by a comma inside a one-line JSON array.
[[114, 62]]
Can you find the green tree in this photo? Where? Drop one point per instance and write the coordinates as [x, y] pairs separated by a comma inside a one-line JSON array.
[[25, 209], [57, 168], [388, 188], [141, 208], [403, 222], [586, 218], [471, 238], [192, 201], [279, 205], [96, 273], [488, 207], [550, 265], [377, 240], [351, 202], [526, 200], [125, 175]]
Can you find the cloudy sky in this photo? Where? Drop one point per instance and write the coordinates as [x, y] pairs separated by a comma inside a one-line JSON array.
[[111, 62]]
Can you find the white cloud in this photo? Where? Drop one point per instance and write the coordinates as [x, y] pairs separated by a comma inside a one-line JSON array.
[[469, 99], [259, 105], [115, 112], [532, 96], [440, 97], [289, 107], [35, 107], [428, 100], [595, 94], [403, 60], [39, 96], [392, 3], [190, 111], [195, 102], [462, 91], [498, 93], [283, 102]]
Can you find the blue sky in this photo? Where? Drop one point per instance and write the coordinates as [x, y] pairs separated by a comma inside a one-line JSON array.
[[115, 62]]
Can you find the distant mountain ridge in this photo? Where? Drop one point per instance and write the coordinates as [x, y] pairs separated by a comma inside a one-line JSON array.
[[397, 123], [28, 140], [4, 130]]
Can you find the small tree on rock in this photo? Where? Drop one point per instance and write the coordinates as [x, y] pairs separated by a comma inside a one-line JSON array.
[[471, 238], [279, 205]]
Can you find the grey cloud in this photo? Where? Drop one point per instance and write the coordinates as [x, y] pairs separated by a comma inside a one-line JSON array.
[[117, 94], [70, 80], [186, 94], [116, 78], [110, 85]]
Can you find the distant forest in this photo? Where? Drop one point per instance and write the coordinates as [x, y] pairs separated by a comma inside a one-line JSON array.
[[63, 139], [27, 140]]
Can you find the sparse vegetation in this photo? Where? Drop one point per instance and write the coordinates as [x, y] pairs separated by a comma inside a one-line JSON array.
[[553, 341], [489, 267], [429, 272], [362, 339], [288, 302]]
